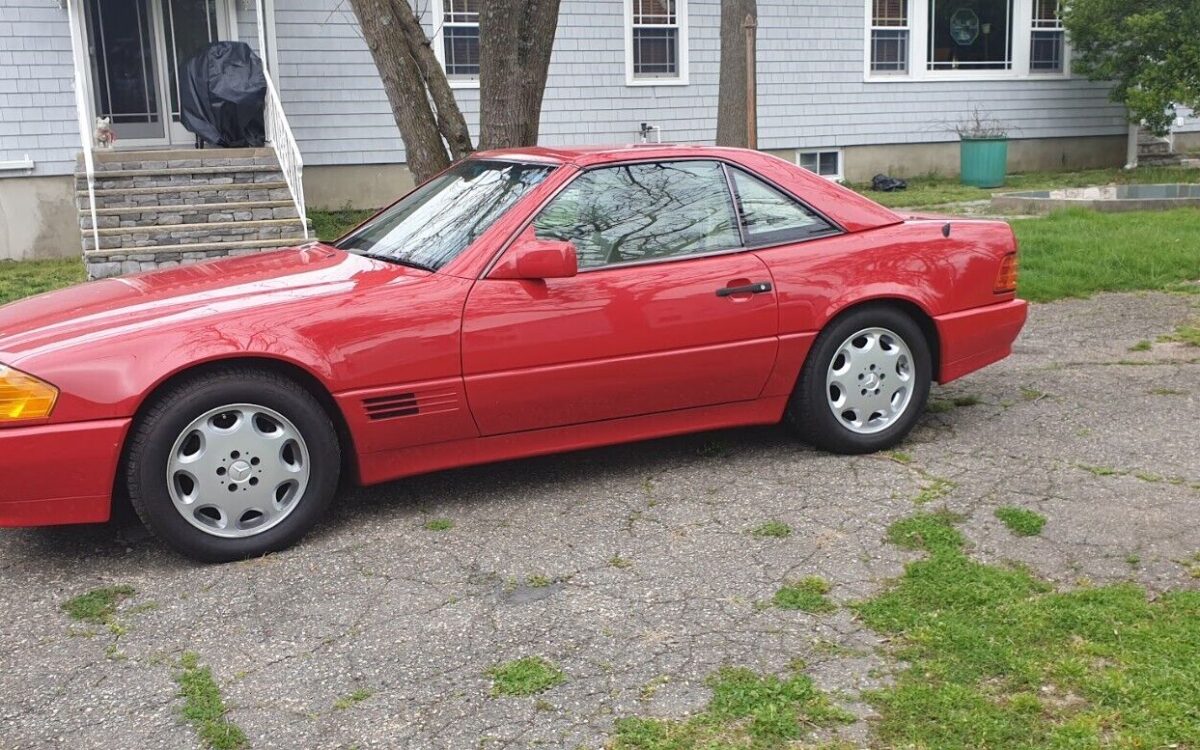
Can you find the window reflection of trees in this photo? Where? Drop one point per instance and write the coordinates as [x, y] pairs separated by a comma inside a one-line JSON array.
[[440, 219], [770, 217], [644, 211]]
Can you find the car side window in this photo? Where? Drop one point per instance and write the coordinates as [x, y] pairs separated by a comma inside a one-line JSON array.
[[638, 212], [770, 217]]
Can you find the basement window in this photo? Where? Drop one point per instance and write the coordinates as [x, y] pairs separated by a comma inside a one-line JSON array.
[[825, 162]]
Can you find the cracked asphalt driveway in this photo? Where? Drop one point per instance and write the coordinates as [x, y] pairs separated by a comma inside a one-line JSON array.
[[630, 568]]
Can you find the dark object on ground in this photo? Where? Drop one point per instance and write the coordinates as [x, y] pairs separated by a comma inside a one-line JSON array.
[[885, 184], [222, 90]]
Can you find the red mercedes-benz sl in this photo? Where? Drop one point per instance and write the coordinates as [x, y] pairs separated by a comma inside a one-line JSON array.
[[522, 302]]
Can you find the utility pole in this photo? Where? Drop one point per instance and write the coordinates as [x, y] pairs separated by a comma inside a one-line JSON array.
[[751, 27]]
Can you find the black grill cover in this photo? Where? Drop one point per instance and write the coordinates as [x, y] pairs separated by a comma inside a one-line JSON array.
[[222, 90]]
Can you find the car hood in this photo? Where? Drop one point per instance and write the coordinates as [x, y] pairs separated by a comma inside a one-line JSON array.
[[188, 295]]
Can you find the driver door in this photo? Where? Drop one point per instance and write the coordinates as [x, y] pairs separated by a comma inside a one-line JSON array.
[[667, 311]]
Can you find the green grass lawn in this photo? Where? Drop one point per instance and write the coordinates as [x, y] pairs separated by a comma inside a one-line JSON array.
[[996, 658], [935, 191], [329, 225], [33, 277], [1078, 253], [1073, 253]]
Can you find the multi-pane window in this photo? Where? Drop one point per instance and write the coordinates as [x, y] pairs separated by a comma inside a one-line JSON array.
[[825, 163], [460, 38], [656, 39], [643, 212], [1046, 45], [975, 36], [889, 36]]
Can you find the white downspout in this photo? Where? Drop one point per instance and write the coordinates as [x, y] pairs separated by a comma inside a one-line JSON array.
[[1131, 146]]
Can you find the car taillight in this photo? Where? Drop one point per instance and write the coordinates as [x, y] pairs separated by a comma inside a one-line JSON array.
[[1006, 277], [24, 397]]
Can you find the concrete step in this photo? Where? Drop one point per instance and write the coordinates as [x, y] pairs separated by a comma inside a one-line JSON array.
[[192, 234], [1158, 160], [188, 213], [118, 155], [104, 263], [1158, 148]]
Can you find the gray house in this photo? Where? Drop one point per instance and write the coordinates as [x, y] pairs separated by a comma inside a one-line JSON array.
[[847, 88]]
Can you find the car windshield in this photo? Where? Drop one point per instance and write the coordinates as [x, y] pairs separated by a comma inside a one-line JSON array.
[[430, 226]]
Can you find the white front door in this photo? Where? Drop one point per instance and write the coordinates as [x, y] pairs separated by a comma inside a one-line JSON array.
[[136, 48]]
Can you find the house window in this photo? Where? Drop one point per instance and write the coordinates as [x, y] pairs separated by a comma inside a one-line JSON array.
[[975, 36], [964, 39], [1046, 45], [827, 163], [460, 38], [889, 36], [656, 41]]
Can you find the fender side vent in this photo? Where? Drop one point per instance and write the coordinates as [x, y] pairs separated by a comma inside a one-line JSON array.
[[390, 407]]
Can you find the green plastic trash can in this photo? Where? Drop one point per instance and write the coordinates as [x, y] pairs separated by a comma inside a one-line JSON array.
[[984, 161]]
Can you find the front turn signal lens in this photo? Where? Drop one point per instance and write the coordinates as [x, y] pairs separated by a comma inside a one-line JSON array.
[[24, 396], [1006, 277]]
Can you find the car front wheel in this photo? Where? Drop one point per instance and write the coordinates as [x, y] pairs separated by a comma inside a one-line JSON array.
[[232, 464], [865, 382]]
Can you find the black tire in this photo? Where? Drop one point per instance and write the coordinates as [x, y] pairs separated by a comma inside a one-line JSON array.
[[809, 411], [155, 432]]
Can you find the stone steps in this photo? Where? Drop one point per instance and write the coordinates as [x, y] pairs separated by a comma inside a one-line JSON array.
[[104, 263], [183, 194], [188, 213], [1170, 160], [1154, 151], [183, 206], [191, 234], [127, 178]]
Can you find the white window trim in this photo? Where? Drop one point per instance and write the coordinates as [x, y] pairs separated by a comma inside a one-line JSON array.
[[437, 18], [681, 14], [918, 50], [841, 155]]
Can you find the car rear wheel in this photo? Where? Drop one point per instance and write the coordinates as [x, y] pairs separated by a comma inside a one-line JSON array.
[[232, 464], [865, 382]]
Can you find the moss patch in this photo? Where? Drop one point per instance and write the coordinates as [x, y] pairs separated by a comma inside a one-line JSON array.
[[528, 676], [1020, 521], [807, 595], [204, 708], [772, 529], [747, 711], [97, 606]]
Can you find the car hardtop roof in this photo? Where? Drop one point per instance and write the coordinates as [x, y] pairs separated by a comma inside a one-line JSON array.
[[586, 156]]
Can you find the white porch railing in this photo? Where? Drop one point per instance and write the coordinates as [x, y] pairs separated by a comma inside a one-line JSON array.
[[279, 135], [79, 58]]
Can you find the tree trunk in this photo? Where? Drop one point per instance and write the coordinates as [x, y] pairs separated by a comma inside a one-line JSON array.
[[516, 38], [384, 29], [450, 121], [731, 96]]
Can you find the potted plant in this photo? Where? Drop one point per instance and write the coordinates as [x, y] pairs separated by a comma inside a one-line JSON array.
[[983, 160]]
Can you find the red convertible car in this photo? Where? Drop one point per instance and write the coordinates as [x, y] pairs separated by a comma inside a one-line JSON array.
[[522, 302]]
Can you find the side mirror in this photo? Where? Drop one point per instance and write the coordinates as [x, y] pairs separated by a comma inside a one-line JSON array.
[[531, 258]]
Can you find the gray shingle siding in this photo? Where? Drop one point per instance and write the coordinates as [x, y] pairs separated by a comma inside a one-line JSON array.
[[37, 100], [812, 92]]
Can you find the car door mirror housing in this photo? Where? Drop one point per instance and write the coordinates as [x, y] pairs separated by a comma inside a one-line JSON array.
[[532, 258]]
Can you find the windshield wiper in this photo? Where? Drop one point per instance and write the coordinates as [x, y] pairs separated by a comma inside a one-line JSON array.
[[396, 261]]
